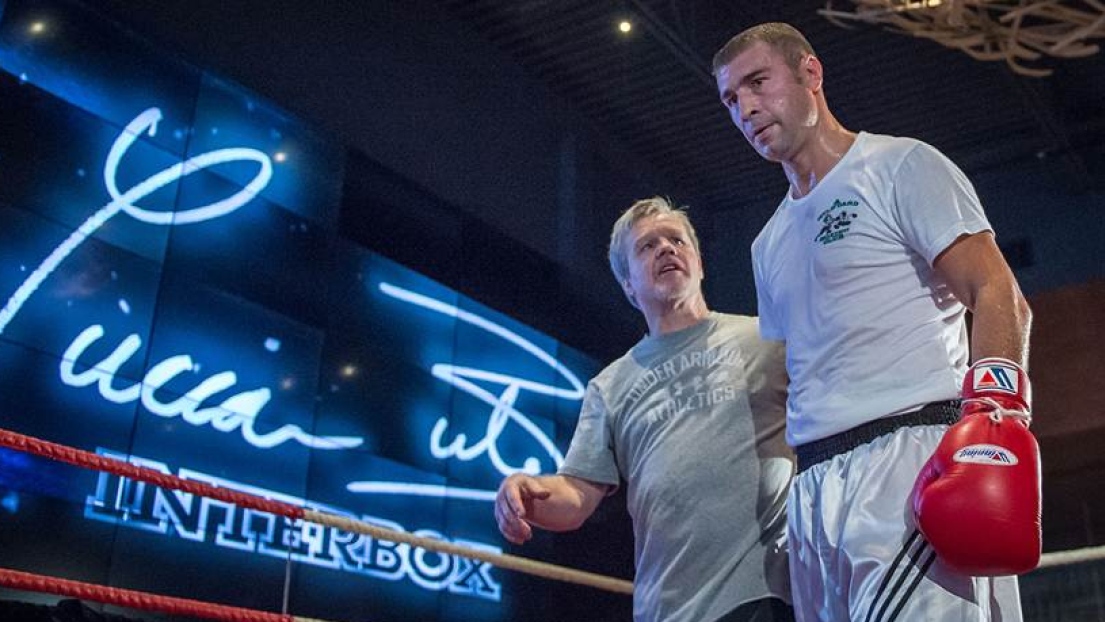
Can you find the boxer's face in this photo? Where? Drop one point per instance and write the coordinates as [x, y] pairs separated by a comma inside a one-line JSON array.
[[773, 107], [664, 266]]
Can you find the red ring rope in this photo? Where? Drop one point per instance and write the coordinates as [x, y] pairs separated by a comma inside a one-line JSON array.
[[88, 460], [136, 600]]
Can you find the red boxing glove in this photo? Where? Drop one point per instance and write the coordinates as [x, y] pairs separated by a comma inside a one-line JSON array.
[[977, 499]]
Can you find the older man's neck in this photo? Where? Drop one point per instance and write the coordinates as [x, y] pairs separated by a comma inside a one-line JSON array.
[[677, 316]]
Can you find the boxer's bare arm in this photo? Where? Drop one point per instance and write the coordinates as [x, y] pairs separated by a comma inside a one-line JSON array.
[[976, 272]]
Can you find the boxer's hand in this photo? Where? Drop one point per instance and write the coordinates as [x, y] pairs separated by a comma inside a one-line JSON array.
[[977, 500], [514, 504]]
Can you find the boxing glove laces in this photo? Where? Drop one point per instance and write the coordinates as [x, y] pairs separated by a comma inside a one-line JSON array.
[[977, 499]]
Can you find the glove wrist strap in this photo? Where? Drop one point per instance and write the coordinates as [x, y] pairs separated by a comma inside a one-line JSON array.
[[999, 388]]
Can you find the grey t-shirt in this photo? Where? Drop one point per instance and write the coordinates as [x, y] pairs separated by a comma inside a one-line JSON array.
[[693, 422]]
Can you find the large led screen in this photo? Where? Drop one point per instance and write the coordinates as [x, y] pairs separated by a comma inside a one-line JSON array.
[[177, 294]]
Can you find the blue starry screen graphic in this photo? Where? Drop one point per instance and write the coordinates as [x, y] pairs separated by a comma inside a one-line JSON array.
[[177, 294]]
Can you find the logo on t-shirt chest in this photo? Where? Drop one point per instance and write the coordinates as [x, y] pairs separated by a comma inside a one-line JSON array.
[[836, 221], [686, 383]]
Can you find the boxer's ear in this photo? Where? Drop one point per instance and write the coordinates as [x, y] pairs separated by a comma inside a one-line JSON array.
[[812, 73]]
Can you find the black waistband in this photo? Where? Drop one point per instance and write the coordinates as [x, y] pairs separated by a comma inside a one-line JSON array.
[[936, 413]]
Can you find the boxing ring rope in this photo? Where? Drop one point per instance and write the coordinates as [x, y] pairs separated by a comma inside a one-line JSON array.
[[1073, 556], [87, 460], [137, 600], [144, 601]]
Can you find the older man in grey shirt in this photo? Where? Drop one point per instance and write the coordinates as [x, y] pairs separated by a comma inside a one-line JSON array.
[[692, 419]]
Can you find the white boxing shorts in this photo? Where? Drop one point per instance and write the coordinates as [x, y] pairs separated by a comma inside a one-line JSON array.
[[856, 554]]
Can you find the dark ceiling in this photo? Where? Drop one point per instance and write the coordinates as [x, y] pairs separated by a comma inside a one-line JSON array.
[[653, 90]]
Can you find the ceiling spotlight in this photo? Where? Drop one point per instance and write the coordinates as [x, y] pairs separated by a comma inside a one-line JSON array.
[[625, 26], [37, 28]]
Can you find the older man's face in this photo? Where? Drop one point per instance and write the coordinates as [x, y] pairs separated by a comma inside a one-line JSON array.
[[664, 265]]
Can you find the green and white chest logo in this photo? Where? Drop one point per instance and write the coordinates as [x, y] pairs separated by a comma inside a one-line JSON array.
[[835, 221]]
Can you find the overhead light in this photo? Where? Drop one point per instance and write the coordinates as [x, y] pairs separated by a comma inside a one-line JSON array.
[[625, 26]]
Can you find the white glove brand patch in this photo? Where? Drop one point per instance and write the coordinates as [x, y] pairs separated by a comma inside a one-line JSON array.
[[996, 377], [986, 454]]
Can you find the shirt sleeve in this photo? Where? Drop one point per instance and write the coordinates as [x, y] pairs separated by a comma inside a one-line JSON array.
[[767, 379], [770, 328], [591, 453], [934, 202]]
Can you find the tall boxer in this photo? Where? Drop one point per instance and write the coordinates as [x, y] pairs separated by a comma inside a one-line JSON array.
[[867, 270]]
